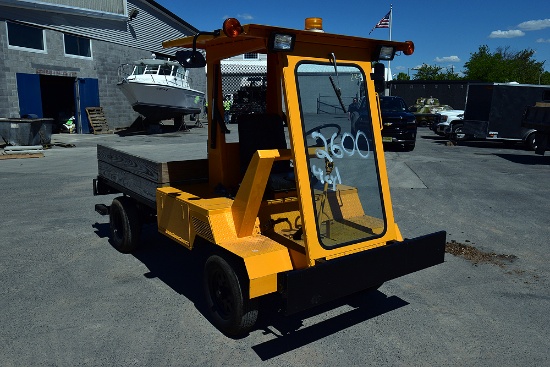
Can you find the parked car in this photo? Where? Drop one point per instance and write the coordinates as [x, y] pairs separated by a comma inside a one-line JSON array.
[[444, 118], [398, 124]]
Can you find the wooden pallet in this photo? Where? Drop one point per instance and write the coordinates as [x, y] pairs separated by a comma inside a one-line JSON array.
[[97, 120], [22, 155]]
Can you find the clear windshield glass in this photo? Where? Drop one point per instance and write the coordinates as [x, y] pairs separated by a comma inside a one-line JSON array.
[[151, 69], [139, 69], [342, 164], [165, 70]]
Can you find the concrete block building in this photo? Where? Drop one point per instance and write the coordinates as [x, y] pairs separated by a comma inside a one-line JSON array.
[[61, 56]]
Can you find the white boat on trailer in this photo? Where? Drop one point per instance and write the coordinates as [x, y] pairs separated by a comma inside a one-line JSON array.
[[159, 89]]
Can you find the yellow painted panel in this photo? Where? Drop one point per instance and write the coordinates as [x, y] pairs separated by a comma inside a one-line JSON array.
[[250, 194], [173, 215], [223, 226], [213, 220], [263, 258], [263, 286], [267, 263]]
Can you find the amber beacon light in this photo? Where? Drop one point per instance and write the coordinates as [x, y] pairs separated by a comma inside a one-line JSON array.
[[409, 50], [232, 27], [314, 24]]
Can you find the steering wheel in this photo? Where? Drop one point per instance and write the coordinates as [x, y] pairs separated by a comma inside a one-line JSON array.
[[318, 129]]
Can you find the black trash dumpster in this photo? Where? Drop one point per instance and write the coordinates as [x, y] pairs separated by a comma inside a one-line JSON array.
[[26, 131]]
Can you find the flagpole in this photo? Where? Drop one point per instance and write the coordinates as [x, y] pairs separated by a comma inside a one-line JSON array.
[[391, 18], [391, 21]]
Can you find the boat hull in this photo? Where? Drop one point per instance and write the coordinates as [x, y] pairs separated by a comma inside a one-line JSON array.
[[161, 102]]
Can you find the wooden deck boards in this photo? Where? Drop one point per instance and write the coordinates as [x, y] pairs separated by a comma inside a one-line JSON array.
[[143, 176]]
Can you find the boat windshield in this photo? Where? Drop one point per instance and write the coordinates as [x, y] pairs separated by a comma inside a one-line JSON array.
[[139, 70], [343, 169], [165, 70], [151, 69]]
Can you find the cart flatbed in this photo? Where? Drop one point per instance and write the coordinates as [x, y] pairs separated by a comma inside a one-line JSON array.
[[139, 177]]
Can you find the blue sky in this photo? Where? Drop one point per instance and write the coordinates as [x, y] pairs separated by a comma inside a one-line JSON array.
[[445, 33]]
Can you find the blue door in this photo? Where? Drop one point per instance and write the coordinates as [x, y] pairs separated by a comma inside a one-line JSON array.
[[28, 91], [87, 95]]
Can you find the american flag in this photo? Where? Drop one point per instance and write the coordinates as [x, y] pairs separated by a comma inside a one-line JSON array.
[[383, 23]]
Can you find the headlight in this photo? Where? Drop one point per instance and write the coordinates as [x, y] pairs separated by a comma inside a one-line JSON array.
[[281, 42], [385, 53]]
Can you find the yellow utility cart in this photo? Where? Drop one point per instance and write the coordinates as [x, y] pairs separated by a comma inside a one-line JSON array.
[[299, 205]]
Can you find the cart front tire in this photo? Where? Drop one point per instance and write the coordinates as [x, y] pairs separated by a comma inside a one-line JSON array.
[[228, 307], [125, 224]]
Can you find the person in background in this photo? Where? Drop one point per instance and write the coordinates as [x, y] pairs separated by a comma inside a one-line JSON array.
[[354, 106], [227, 102]]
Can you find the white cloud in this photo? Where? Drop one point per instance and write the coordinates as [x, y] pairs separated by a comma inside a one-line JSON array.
[[513, 33], [542, 40], [447, 59], [245, 16], [535, 25]]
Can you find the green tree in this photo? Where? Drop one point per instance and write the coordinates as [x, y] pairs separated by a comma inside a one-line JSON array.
[[449, 74], [402, 76], [504, 65], [427, 72]]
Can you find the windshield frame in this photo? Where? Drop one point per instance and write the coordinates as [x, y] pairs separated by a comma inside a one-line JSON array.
[[368, 111]]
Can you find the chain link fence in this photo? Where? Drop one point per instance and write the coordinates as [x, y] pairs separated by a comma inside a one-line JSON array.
[[244, 89]]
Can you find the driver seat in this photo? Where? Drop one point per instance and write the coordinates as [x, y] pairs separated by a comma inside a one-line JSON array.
[[259, 131]]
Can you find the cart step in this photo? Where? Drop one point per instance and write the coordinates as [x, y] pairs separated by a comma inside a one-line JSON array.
[[102, 209]]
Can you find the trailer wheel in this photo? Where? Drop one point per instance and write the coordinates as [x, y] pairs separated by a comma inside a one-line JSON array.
[[530, 142], [458, 132], [125, 224], [231, 312]]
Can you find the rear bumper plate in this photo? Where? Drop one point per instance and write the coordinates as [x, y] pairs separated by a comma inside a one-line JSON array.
[[330, 280]]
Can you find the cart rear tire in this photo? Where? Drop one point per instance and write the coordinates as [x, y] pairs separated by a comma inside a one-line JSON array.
[[125, 224], [531, 142], [227, 305]]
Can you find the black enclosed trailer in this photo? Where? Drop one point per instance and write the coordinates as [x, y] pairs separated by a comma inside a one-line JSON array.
[[495, 111]]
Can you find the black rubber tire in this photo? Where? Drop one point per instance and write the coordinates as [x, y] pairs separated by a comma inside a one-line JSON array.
[[125, 224], [409, 147], [459, 130], [530, 142], [228, 307]]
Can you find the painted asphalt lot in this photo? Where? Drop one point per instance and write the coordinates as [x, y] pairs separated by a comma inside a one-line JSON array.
[[68, 298]]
